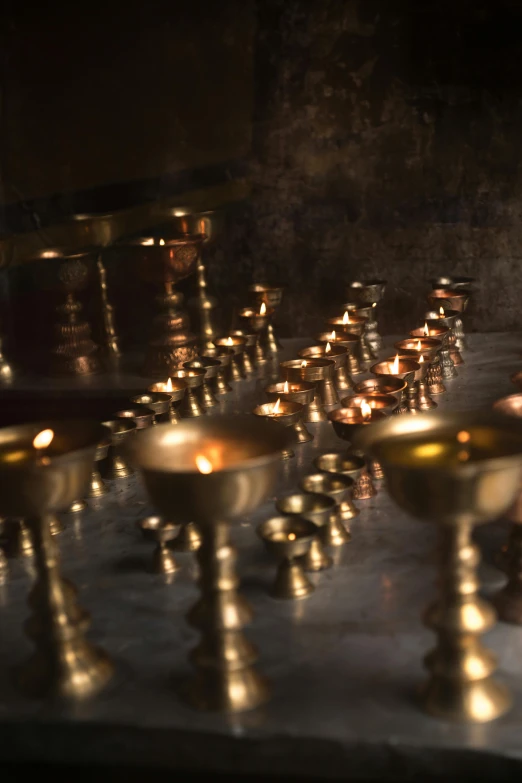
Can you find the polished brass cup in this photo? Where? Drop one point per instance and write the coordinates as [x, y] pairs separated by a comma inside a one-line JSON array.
[[303, 393], [345, 464], [346, 422], [272, 296], [369, 293], [434, 377], [448, 321], [141, 415], [318, 509], [120, 430], [382, 402], [425, 350], [248, 356], [289, 539], [508, 601], [240, 459], [158, 402], [348, 341], [455, 283], [408, 371], [161, 532], [338, 354], [97, 486], [371, 339], [208, 224], [290, 414], [238, 346], [318, 371], [35, 486], [456, 300], [211, 368], [356, 325], [176, 389], [381, 384], [255, 322], [458, 470], [225, 357], [191, 405], [336, 532]]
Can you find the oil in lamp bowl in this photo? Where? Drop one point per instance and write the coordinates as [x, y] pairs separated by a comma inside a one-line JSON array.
[[447, 298], [141, 415], [429, 347], [381, 402], [32, 487], [355, 325], [244, 454], [381, 384], [254, 319], [346, 421], [407, 365], [179, 387], [437, 332], [337, 354], [157, 402], [193, 378], [234, 342], [209, 365], [297, 392], [346, 339], [289, 412]]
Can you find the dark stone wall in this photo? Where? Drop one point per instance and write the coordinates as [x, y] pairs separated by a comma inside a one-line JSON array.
[[387, 143]]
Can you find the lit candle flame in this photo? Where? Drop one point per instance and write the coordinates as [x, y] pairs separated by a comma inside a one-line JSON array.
[[328, 348], [394, 367], [441, 312], [418, 347], [332, 336], [277, 406], [426, 330], [203, 464], [291, 536], [162, 242], [463, 437], [230, 341], [366, 411], [421, 359], [303, 363], [168, 385], [286, 388], [374, 304], [262, 309], [43, 439], [346, 318]]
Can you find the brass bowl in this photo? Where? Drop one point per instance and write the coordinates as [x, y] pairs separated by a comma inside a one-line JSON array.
[[169, 262], [446, 297], [244, 452], [271, 295], [275, 535], [31, 487], [382, 384], [383, 402], [369, 292], [209, 223]]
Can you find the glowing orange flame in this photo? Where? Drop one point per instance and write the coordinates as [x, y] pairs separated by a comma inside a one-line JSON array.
[[230, 341], [374, 304], [303, 363], [328, 348], [286, 388], [366, 411], [168, 385], [277, 406], [332, 336], [203, 464], [43, 439], [162, 242], [291, 536], [441, 312], [421, 359], [418, 347], [346, 318], [394, 366], [426, 330], [463, 437], [262, 309]]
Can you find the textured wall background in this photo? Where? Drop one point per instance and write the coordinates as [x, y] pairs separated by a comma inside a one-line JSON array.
[[387, 143], [382, 139]]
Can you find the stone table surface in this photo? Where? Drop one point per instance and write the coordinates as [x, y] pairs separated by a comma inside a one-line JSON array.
[[344, 663]]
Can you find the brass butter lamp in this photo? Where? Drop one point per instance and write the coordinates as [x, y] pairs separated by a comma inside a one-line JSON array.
[[340, 489], [176, 389], [369, 293], [348, 341], [43, 468], [458, 470], [319, 509], [272, 296], [214, 471], [289, 539], [456, 300], [339, 356]]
